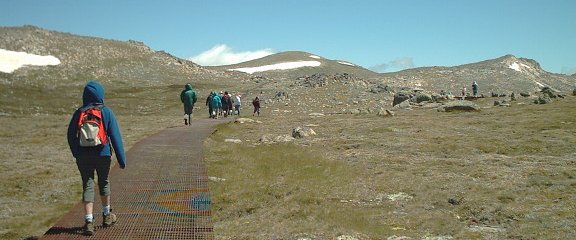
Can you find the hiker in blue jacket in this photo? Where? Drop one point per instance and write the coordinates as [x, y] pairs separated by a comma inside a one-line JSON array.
[[216, 105], [99, 158]]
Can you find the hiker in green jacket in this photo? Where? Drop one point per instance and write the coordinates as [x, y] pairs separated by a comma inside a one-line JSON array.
[[188, 97]]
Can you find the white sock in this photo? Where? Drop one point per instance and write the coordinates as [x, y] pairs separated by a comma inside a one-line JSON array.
[[89, 217], [106, 210]]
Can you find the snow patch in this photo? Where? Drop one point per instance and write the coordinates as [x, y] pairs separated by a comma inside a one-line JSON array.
[[518, 66], [316, 57], [278, 66], [346, 63], [515, 66], [540, 84], [10, 60]]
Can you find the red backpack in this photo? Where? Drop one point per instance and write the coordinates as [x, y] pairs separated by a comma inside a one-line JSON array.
[[91, 132]]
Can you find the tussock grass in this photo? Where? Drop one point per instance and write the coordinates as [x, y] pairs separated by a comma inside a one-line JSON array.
[[501, 173]]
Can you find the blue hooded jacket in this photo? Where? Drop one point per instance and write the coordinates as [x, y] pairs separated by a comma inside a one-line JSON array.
[[94, 95]]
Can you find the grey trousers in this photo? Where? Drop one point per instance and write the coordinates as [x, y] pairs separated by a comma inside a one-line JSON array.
[[87, 165]]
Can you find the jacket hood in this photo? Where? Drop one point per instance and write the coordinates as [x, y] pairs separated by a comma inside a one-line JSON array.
[[93, 93], [188, 86]]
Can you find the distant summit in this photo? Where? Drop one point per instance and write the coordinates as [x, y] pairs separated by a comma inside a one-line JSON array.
[[505, 74], [294, 64]]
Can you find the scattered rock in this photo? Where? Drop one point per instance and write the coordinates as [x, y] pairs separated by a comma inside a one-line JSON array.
[[216, 179], [381, 88], [502, 103], [230, 140], [268, 139], [486, 229], [525, 94], [438, 238], [346, 237], [549, 92], [394, 237], [400, 97], [385, 113], [244, 120], [431, 105], [283, 138], [398, 197], [460, 105], [316, 114], [455, 200], [543, 99], [403, 105], [302, 132], [421, 97]]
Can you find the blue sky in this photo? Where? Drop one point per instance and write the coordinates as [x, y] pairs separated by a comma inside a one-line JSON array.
[[381, 35]]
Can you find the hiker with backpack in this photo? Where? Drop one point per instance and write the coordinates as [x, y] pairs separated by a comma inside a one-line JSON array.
[[226, 104], [475, 89], [237, 104], [188, 98], [216, 105], [209, 104], [92, 133], [256, 104]]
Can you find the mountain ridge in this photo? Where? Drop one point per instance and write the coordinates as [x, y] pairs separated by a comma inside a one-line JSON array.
[[132, 62]]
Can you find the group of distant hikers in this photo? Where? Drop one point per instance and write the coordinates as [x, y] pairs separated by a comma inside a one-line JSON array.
[[93, 135], [221, 104], [474, 90]]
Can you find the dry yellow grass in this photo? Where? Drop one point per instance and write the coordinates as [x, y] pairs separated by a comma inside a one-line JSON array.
[[501, 173], [498, 173]]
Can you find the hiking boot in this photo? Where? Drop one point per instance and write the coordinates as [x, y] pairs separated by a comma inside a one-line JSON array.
[[89, 228], [185, 121], [109, 220]]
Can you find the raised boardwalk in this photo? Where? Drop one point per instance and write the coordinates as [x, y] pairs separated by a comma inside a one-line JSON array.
[[162, 194]]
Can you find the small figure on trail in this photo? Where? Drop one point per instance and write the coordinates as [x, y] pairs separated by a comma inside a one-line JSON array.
[[256, 104], [92, 132], [209, 104], [463, 93], [216, 105], [237, 104], [475, 88], [188, 97], [226, 103], [231, 106]]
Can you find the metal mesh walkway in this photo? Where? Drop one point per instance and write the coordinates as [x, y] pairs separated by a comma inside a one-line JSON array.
[[162, 194]]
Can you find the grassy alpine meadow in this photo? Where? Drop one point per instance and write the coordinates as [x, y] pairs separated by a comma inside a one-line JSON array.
[[40, 180], [500, 173]]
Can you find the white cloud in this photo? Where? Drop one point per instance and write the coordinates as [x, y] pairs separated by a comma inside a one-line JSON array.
[[10, 60], [222, 54], [394, 65]]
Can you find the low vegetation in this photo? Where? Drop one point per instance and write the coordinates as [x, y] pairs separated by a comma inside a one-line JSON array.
[[501, 173]]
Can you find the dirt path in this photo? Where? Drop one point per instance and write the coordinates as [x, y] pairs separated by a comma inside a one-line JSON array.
[[162, 194]]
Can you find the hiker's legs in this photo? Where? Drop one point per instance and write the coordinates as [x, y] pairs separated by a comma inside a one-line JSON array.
[[103, 170], [87, 168], [88, 207]]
